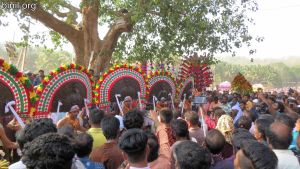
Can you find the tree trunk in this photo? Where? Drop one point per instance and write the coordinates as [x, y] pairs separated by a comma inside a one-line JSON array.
[[86, 39]]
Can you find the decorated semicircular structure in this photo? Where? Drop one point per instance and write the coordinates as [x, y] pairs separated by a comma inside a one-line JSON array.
[[15, 86], [123, 80], [186, 87], [161, 84], [69, 84]]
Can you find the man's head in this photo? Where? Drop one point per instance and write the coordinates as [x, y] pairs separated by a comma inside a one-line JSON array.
[[189, 155], [250, 115], [279, 135], [243, 105], [246, 97], [261, 127], [224, 99], [153, 147], [255, 155], [127, 100], [285, 119], [83, 145], [41, 73], [244, 122], [74, 111], [215, 141], [110, 127], [180, 129], [165, 115], [234, 101], [96, 116], [133, 119], [34, 129], [50, 150], [133, 143], [239, 135], [192, 118]]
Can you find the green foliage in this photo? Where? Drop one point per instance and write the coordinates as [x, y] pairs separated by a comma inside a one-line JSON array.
[[272, 75]]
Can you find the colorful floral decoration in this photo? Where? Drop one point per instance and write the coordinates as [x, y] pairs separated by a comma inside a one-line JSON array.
[[106, 82], [20, 86], [55, 80], [199, 68], [241, 85], [184, 85], [161, 76]]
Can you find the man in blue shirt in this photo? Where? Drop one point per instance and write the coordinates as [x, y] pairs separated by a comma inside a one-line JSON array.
[[83, 148]]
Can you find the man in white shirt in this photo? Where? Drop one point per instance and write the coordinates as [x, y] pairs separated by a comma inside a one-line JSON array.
[[133, 144], [279, 138]]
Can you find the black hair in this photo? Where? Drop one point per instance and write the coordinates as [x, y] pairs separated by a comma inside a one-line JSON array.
[[110, 127], [96, 116], [176, 114], [180, 128], [67, 130], [189, 155], [153, 147], [268, 117], [133, 119], [251, 115], [285, 119], [52, 151], [215, 141], [262, 126], [192, 117], [280, 106], [38, 127], [134, 142], [239, 135], [261, 156], [244, 122], [166, 115], [279, 140], [83, 145]]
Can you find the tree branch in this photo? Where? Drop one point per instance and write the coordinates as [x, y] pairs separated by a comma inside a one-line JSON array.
[[52, 22], [71, 7]]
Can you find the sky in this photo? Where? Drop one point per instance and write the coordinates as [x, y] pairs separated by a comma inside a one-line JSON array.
[[278, 21]]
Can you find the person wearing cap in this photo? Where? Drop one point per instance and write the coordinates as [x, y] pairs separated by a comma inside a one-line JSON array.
[[71, 119], [127, 104]]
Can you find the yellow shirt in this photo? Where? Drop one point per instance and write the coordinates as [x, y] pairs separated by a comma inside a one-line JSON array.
[[97, 134]]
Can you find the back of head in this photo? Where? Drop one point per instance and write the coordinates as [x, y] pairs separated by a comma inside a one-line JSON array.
[[261, 156], [38, 127], [166, 115], [189, 155], [279, 135], [239, 135], [153, 146], [133, 143], [96, 116], [83, 145], [51, 151], [244, 122], [180, 128], [67, 130], [192, 118], [215, 141], [262, 126], [110, 127], [133, 119], [285, 119]]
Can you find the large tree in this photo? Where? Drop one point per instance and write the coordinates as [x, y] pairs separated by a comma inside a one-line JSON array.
[[142, 29]]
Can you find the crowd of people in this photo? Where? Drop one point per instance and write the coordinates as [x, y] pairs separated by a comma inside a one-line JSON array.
[[229, 131]]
